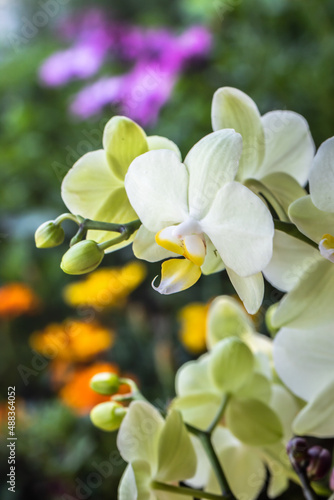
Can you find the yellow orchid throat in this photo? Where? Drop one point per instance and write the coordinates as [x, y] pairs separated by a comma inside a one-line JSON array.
[[191, 246], [180, 274]]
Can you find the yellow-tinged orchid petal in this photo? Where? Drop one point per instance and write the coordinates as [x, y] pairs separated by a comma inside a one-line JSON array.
[[232, 108], [177, 275], [123, 141], [316, 418], [176, 455], [253, 422], [232, 363], [227, 318], [289, 146], [322, 177], [159, 142], [250, 289], [310, 220], [284, 187], [243, 466]]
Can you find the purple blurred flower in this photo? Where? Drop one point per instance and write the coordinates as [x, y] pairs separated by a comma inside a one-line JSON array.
[[158, 55], [78, 62]]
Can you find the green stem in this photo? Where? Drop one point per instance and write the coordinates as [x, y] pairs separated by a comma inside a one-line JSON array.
[[67, 216], [289, 228], [308, 492], [259, 188], [205, 439], [219, 414], [156, 485], [124, 229]]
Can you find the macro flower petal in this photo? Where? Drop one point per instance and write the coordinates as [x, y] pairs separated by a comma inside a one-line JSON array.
[[157, 187], [123, 141], [310, 303], [198, 409], [284, 187], [177, 458], [193, 377], [143, 445], [211, 162], [250, 289], [159, 142], [291, 259], [303, 359], [311, 221], [213, 262], [289, 145], [177, 275], [241, 228], [253, 422], [316, 418], [232, 108], [226, 317], [244, 469], [145, 247], [90, 189], [322, 177], [135, 482]]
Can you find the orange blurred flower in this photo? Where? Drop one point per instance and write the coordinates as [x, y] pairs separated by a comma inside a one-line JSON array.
[[193, 326], [106, 287], [72, 340], [77, 393], [17, 299]]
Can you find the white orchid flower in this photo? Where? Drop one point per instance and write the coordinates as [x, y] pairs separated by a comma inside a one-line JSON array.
[[196, 209], [308, 274], [94, 186], [156, 450], [277, 147], [304, 360]]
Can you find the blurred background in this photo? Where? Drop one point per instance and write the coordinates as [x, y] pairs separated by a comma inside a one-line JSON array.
[[66, 67]]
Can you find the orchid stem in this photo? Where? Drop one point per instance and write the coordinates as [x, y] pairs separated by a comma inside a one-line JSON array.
[[219, 414], [179, 490], [205, 439], [125, 230]]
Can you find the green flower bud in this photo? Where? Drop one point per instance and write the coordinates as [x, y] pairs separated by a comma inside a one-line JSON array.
[[269, 315], [82, 258], [105, 383], [49, 235], [108, 416]]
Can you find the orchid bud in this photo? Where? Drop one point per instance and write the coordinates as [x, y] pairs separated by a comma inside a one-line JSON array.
[[82, 258], [49, 235], [268, 319], [297, 450], [319, 462], [105, 383], [108, 416]]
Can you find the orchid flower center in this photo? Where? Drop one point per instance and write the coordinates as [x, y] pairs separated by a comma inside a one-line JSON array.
[[326, 247], [185, 239]]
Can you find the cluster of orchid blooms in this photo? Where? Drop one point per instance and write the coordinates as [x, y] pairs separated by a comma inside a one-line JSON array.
[[236, 202], [153, 60]]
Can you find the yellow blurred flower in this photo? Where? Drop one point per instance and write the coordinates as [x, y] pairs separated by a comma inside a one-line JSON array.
[[17, 299], [72, 340], [77, 393], [193, 326], [106, 287]]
